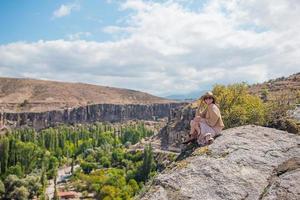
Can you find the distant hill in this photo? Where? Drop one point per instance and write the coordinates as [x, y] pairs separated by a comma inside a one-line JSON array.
[[279, 89], [17, 94], [187, 97]]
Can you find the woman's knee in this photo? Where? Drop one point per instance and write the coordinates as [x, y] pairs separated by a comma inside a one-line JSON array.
[[192, 122], [197, 119]]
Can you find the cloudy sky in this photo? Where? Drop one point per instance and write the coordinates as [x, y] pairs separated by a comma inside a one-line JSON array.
[[162, 47]]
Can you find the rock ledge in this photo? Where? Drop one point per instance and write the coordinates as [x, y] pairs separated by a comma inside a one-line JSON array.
[[248, 162]]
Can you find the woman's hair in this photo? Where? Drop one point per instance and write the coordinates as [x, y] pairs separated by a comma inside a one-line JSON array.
[[214, 100]]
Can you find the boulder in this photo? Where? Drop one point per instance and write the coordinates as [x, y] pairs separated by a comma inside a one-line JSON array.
[[248, 162]]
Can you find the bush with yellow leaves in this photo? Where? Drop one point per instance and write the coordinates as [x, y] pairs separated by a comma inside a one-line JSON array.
[[238, 107]]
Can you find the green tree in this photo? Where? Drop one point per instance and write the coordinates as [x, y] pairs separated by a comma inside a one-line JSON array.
[[53, 167], [87, 167], [33, 185], [4, 150], [133, 184], [12, 188], [147, 163], [117, 156], [109, 192], [2, 189], [17, 170], [105, 162], [20, 193]]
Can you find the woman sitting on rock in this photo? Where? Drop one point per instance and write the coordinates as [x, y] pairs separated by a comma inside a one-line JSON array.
[[207, 124]]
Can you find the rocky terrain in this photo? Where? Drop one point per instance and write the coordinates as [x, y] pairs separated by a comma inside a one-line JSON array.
[[40, 104], [177, 128], [28, 95], [248, 162], [88, 114], [284, 88]]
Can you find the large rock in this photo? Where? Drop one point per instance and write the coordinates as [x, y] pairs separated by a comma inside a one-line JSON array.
[[177, 128], [248, 162]]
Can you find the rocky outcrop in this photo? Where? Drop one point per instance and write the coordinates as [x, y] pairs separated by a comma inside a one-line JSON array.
[[295, 113], [177, 127], [248, 162], [89, 113]]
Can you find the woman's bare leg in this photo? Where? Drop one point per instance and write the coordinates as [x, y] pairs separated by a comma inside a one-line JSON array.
[[195, 127], [195, 130]]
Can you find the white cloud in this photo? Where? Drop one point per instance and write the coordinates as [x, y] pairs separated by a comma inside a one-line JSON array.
[[65, 9], [78, 36], [172, 48]]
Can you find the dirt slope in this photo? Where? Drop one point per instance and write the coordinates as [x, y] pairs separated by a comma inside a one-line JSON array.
[[39, 95]]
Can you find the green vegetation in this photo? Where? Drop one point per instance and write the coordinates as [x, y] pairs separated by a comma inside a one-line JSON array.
[[28, 159], [238, 107], [123, 181], [277, 114]]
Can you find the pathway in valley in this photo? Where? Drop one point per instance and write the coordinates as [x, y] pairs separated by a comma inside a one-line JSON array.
[[62, 174]]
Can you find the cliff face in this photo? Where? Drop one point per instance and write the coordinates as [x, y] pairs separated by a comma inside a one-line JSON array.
[[177, 127], [248, 162], [89, 113]]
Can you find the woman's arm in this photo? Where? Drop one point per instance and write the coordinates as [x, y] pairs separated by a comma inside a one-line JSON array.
[[201, 114]]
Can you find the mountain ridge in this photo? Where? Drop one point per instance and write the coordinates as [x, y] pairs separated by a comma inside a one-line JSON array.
[[26, 95]]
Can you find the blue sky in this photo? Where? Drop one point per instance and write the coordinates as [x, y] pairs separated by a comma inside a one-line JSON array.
[[163, 47], [32, 20]]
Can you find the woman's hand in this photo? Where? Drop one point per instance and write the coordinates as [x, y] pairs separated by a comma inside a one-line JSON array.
[[202, 120], [197, 119]]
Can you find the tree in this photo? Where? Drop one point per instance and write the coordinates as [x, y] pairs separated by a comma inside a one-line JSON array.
[[20, 193], [33, 185], [147, 163], [133, 184], [53, 167], [16, 188], [105, 162], [2, 189], [28, 155], [109, 192], [4, 150], [117, 156], [10, 183], [87, 167], [17, 170], [55, 196]]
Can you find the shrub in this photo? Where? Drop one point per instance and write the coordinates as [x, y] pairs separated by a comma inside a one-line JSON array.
[[24, 103], [238, 107]]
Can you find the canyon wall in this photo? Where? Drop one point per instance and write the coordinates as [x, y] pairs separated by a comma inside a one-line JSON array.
[[177, 128], [88, 114]]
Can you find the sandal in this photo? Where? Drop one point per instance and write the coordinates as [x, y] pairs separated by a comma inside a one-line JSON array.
[[210, 141], [188, 141]]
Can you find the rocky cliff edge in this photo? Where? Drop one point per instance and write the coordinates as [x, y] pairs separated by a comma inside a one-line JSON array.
[[248, 162]]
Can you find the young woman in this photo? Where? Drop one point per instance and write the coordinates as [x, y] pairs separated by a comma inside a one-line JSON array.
[[207, 124]]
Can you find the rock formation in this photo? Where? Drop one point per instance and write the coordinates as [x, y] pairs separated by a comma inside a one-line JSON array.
[[248, 162], [89, 113], [177, 127]]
